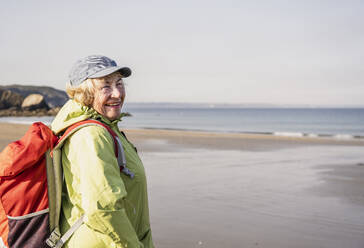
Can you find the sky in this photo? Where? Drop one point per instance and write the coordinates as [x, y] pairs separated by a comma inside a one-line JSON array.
[[202, 51]]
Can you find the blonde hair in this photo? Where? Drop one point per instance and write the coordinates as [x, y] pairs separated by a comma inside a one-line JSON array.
[[83, 93]]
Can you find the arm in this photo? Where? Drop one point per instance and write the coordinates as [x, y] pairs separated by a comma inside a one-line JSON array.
[[102, 191]]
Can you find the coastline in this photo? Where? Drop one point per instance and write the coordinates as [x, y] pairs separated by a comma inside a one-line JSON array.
[[247, 190], [347, 132], [197, 139]]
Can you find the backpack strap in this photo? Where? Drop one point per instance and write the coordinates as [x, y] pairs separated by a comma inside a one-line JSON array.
[[54, 172], [59, 241], [75, 127], [118, 147]]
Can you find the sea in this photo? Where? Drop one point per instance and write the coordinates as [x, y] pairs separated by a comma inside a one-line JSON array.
[[340, 123]]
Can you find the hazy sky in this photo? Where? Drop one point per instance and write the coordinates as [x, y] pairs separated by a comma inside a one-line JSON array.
[[234, 51]]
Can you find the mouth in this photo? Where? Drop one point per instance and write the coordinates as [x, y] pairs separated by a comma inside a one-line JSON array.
[[114, 104]]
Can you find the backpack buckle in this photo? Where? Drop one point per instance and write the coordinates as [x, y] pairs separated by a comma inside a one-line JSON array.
[[53, 238]]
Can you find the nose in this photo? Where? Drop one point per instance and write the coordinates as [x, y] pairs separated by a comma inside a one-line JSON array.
[[117, 92]]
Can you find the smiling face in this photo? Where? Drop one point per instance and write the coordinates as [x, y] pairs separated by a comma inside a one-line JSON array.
[[109, 95]]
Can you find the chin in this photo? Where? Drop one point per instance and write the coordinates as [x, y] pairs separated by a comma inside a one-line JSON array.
[[112, 117]]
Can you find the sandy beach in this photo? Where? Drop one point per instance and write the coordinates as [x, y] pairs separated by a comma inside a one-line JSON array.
[[240, 190]]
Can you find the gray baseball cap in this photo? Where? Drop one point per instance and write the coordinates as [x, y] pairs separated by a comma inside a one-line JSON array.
[[95, 66]]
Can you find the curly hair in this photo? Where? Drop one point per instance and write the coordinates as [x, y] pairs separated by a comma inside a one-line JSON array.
[[83, 93]]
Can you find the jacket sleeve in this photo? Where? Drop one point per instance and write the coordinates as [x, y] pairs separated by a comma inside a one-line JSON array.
[[102, 191]]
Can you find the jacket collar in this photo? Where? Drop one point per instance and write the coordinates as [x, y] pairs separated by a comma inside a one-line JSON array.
[[73, 112]]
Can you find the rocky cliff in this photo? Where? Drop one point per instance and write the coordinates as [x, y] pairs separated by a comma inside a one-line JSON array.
[[21, 100], [53, 97]]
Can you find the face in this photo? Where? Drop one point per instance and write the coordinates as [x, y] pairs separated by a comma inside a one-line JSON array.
[[109, 96]]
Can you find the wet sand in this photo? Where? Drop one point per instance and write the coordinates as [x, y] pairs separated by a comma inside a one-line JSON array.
[[238, 190]]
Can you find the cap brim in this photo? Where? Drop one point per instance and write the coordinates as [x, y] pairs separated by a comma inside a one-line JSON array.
[[125, 71]]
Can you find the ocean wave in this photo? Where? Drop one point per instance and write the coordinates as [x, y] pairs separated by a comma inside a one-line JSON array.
[[289, 134]]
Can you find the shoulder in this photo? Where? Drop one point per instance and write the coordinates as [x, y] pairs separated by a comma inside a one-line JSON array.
[[91, 134], [92, 143]]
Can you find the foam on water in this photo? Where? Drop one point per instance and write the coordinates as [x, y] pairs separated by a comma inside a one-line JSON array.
[[289, 134]]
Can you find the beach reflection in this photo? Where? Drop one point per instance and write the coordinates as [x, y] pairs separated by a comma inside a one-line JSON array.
[[275, 198]]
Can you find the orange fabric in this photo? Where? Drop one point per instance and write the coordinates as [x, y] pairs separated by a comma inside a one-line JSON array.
[[23, 187], [26, 193], [23, 153]]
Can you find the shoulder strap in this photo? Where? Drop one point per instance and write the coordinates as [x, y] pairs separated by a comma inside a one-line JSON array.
[[75, 127]]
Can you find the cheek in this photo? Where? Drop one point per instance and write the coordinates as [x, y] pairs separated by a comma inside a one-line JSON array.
[[98, 103]]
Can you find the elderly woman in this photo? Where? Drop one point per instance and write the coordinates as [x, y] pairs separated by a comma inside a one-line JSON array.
[[114, 204]]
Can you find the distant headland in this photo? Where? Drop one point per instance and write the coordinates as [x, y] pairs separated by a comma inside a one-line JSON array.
[[24, 100]]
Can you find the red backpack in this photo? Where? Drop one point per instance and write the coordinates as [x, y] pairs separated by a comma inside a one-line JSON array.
[[31, 186]]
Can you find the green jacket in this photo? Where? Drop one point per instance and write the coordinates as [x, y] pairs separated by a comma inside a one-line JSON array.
[[115, 206]]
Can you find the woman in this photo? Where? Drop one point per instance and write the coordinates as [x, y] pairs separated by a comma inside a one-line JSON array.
[[115, 205]]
